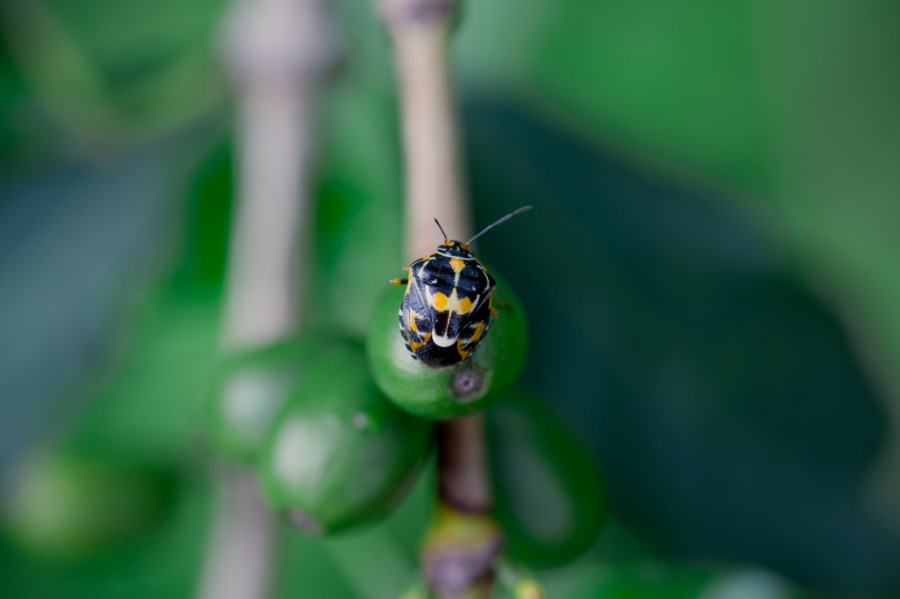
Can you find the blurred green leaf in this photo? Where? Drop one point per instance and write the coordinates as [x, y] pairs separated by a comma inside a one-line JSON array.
[[102, 84], [726, 404], [675, 84], [657, 580], [146, 37], [834, 89], [160, 562], [69, 504]]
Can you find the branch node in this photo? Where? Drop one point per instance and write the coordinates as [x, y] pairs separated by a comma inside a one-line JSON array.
[[459, 551]]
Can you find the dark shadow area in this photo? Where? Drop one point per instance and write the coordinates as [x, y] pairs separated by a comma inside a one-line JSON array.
[[731, 415]]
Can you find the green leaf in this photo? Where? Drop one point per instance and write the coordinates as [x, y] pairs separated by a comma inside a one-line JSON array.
[[724, 400]]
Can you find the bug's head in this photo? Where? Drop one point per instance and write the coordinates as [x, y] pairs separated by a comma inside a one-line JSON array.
[[458, 249], [454, 249]]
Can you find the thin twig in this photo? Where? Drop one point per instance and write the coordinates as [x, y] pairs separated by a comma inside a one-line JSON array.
[[420, 30], [277, 52], [463, 480], [238, 560]]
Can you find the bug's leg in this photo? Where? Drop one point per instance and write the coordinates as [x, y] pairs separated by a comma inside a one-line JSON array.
[[494, 303], [401, 280]]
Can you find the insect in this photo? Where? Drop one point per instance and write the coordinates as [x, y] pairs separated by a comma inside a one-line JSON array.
[[446, 310]]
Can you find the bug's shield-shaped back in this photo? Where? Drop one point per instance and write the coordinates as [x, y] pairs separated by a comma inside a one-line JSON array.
[[442, 330]]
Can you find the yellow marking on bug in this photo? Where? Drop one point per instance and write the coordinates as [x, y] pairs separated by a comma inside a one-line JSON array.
[[456, 264], [453, 303], [415, 346], [471, 341], [397, 281], [440, 300], [477, 334]]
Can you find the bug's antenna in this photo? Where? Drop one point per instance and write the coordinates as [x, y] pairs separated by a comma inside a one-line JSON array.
[[502, 220], [442, 230]]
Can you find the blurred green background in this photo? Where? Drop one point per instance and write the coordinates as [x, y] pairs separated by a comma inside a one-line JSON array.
[[709, 275]]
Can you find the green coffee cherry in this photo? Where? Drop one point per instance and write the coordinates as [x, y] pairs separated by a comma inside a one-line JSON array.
[[339, 453], [442, 394], [65, 505], [549, 497], [250, 387]]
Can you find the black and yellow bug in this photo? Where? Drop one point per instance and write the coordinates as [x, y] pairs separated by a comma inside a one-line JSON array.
[[446, 310]]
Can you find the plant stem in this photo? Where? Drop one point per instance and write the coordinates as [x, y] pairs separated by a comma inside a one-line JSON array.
[[420, 30], [463, 480], [277, 52], [237, 564]]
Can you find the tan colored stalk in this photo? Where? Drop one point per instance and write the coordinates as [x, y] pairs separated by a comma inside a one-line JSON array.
[[420, 31], [459, 551], [463, 480], [277, 52]]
